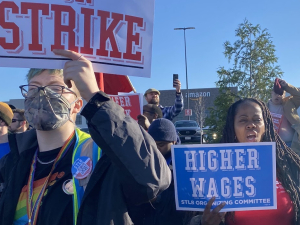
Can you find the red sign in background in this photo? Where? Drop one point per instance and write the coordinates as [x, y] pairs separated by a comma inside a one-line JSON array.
[[130, 104], [277, 119], [188, 112]]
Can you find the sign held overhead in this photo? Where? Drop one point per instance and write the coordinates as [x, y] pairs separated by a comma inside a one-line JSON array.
[[115, 35]]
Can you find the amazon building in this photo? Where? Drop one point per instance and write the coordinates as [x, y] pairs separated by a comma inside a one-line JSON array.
[[206, 95]]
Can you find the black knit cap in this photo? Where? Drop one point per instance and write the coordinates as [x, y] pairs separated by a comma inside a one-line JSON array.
[[151, 108], [163, 130]]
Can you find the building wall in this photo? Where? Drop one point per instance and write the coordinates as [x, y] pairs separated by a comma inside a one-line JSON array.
[[167, 98]]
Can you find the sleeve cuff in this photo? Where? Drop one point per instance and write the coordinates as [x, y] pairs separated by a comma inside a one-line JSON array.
[[94, 104]]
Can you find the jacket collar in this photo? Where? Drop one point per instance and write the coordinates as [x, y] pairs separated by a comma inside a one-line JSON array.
[[27, 140], [21, 142]]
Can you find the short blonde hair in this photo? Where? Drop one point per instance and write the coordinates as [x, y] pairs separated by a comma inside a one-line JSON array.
[[33, 72]]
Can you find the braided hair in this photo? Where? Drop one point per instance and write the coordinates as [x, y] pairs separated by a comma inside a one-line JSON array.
[[287, 161]]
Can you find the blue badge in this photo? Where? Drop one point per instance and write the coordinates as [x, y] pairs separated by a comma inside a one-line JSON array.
[[82, 167]]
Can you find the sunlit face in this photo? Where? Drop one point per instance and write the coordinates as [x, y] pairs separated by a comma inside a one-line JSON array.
[[16, 124], [152, 98], [164, 146], [249, 124], [45, 78], [277, 99]]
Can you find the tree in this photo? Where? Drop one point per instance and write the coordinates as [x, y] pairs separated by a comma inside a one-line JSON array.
[[200, 114], [217, 114], [253, 71]]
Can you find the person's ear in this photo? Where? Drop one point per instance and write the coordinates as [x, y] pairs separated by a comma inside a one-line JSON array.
[[77, 106], [2, 123], [155, 115], [23, 123]]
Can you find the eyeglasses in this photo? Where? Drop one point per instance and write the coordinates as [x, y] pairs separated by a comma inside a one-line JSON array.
[[15, 120], [51, 91]]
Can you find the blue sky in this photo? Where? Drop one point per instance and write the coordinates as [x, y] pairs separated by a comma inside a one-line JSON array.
[[215, 22]]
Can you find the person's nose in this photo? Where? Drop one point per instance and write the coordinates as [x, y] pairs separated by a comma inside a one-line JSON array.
[[251, 125]]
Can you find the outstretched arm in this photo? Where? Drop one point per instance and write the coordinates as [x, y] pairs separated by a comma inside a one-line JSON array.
[[172, 111], [293, 91], [143, 170]]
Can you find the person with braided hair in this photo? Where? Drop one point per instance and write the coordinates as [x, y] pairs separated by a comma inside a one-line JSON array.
[[249, 120]]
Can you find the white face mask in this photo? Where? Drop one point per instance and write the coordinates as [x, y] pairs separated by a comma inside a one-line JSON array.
[[47, 112]]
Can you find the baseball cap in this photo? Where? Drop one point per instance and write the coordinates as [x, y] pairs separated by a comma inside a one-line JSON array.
[[151, 90]]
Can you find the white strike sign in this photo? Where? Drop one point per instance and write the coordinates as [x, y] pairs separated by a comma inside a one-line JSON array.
[[116, 35]]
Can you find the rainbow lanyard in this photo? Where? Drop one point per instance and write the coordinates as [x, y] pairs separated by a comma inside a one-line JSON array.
[[33, 210]]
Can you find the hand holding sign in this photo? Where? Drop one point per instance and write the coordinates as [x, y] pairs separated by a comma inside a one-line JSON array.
[[30, 30], [213, 217], [80, 71]]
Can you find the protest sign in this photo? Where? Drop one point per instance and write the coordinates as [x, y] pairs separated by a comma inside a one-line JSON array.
[[131, 103], [243, 175], [115, 35], [277, 119]]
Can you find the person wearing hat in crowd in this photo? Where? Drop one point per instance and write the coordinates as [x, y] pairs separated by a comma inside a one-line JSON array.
[[162, 210], [19, 123], [57, 175], [284, 113], [151, 112], [6, 116], [169, 112]]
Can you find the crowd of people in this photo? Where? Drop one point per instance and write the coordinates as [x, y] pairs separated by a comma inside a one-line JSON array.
[[121, 173]]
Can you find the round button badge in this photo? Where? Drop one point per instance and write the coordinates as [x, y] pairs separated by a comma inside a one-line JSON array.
[[82, 167], [68, 187]]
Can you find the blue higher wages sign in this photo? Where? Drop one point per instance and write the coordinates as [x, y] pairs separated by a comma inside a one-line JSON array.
[[241, 174]]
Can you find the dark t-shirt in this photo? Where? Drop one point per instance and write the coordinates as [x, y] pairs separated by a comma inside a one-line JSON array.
[[56, 206]]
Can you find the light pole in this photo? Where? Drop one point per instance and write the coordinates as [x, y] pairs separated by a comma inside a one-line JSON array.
[[186, 73]]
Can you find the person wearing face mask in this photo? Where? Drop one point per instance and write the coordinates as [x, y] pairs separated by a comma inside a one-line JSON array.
[[284, 112], [249, 120], [57, 175]]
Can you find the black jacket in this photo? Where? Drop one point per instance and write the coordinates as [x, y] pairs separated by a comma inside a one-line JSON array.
[[162, 211], [131, 172]]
